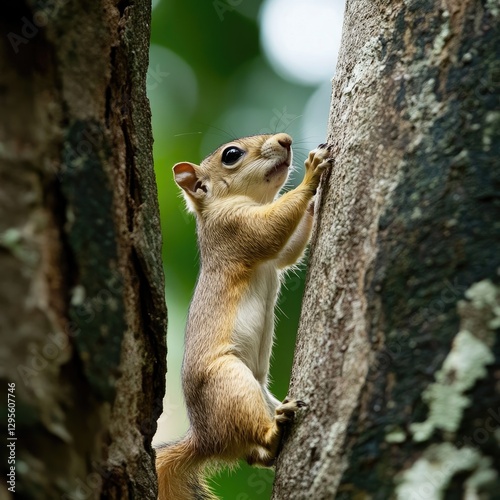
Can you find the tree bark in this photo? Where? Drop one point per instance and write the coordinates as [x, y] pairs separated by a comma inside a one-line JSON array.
[[83, 318], [397, 352]]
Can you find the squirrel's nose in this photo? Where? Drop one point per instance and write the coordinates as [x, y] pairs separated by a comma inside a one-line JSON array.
[[284, 140]]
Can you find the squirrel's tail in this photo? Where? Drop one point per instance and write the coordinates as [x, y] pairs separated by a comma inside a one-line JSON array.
[[180, 472]]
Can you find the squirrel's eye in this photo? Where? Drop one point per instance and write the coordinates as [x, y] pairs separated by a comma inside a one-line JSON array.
[[231, 155]]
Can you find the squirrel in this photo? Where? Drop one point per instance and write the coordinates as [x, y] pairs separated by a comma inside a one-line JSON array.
[[246, 237]]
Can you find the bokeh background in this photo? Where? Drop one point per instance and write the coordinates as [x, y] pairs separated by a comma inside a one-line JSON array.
[[222, 69]]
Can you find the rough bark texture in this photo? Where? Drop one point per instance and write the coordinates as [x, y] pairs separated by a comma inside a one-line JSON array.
[[397, 353], [82, 315]]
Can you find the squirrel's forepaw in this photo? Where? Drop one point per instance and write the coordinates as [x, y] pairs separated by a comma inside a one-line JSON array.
[[319, 158], [286, 410]]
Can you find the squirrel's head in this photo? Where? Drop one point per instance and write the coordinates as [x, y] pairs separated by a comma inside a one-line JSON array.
[[255, 166]]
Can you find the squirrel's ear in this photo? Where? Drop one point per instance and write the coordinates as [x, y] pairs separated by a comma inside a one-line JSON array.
[[186, 177]]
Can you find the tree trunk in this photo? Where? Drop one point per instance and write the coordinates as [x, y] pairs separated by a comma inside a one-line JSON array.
[[397, 351], [83, 319]]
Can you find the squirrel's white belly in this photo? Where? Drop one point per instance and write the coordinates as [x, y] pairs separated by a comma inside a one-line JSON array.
[[254, 326]]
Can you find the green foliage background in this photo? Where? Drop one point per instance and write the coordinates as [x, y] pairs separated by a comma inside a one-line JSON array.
[[209, 83]]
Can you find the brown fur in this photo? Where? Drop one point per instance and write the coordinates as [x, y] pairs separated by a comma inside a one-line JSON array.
[[181, 472], [240, 225]]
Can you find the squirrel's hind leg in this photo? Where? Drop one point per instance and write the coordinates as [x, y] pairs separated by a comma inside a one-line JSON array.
[[264, 454], [240, 423]]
